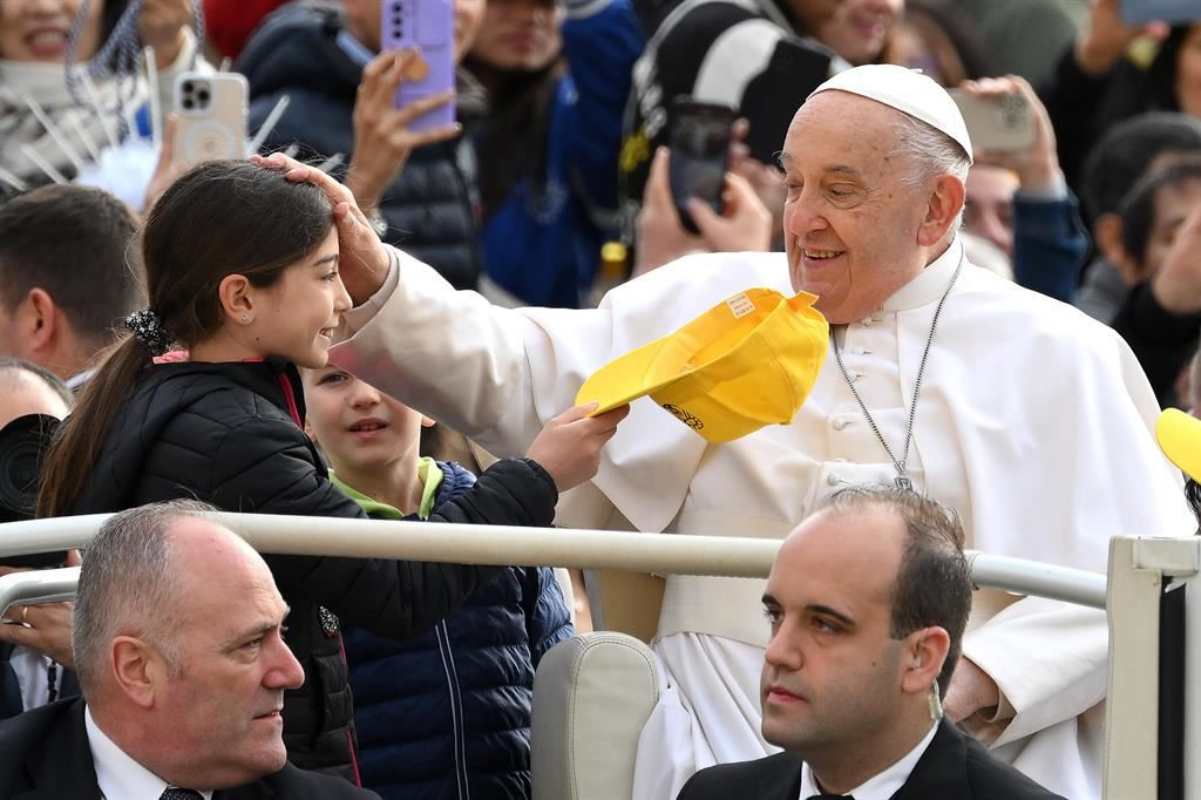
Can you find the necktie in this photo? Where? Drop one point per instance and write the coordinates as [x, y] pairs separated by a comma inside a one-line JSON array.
[[175, 793]]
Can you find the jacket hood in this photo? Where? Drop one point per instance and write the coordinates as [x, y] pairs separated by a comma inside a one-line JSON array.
[[297, 46], [164, 392]]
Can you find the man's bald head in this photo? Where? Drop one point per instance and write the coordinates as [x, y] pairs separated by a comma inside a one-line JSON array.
[[139, 567]]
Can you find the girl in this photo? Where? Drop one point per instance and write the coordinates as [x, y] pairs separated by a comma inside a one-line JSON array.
[[460, 715], [242, 271]]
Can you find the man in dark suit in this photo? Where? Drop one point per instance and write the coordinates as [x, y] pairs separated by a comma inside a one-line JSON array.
[[179, 653], [868, 601]]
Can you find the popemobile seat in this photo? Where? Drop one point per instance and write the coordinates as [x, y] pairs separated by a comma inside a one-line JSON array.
[[592, 696]]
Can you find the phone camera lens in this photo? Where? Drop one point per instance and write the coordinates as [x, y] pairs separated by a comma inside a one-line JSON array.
[[188, 104], [187, 86], [203, 96]]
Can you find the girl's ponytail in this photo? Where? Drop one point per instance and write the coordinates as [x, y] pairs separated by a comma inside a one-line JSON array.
[[79, 440]]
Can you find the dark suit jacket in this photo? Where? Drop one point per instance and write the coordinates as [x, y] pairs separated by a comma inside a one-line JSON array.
[[10, 687], [954, 767], [44, 755]]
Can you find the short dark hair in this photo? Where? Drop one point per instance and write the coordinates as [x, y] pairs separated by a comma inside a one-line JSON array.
[[934, 583], [76, 243], [1138, 210], [9, 364], [1121, 157]]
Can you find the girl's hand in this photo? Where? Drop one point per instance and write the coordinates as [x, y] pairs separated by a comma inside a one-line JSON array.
[[569, 447]]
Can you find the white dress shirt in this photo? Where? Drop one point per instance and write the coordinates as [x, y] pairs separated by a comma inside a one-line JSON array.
[[883, 785], [33, 676], [119, 776]]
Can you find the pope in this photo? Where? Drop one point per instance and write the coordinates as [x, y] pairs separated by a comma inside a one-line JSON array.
[[1028, 418]]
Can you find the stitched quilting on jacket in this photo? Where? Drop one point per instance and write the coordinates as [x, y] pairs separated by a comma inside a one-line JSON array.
[[446, 716], [229, 434]]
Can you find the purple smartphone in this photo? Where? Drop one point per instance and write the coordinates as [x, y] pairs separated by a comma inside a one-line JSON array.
[[427, 26]]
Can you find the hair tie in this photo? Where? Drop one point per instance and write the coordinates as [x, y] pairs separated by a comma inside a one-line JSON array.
[[148, 329]]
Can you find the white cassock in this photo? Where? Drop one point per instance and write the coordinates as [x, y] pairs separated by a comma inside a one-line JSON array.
[[1034, 422]]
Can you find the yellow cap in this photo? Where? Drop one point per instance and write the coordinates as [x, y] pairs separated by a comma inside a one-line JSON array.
[[747, 362], [1179, 436]]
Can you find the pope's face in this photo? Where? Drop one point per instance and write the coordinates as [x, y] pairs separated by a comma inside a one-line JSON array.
[[851, 218]]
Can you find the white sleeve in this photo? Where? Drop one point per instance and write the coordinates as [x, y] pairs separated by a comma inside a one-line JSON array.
[[494, 374]]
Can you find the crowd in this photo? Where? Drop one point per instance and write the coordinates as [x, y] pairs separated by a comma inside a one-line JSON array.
[[375, 318]]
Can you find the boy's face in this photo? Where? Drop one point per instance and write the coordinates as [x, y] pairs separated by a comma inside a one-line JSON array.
[[1173, 204], [358, 426]]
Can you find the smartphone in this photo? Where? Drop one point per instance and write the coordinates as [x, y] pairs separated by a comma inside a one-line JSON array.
[[212, 112], [1002, 123], [699, 139], [427, 26], [1170, 11]]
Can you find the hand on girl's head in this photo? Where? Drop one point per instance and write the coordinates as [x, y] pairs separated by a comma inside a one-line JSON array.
[[364, 259]]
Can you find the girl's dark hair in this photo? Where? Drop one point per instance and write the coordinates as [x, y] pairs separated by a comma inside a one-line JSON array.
[[1160, 82], [513, 139], [222, 218]]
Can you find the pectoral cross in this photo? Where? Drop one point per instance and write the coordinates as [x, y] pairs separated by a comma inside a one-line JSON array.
[[904, 484]]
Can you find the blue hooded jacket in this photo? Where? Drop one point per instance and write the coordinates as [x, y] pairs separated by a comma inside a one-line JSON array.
[[447, 715]]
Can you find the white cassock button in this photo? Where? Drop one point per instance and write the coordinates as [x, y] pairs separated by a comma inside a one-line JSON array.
[[834, 480], [841, 423], [863, 351]]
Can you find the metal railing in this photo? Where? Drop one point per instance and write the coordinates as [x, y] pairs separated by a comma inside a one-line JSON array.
[[499, 545]]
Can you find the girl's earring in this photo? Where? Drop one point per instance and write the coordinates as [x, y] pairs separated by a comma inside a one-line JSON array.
[[245, 318]]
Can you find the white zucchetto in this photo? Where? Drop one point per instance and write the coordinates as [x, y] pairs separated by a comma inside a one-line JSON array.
[[908, 91]]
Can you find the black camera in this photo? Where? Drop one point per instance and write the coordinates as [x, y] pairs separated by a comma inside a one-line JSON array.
[[23, 445]]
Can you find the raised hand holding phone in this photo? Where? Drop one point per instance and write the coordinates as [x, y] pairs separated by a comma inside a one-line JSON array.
[[211, 111], [385, 136], [1024, 143], [744, 224], [425, 28], [699, 137]]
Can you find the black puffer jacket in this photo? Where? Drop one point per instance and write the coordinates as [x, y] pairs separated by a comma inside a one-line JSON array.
[[230, 435], [429, 207]]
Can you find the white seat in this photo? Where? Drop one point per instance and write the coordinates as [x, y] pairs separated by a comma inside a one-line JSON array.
[[592, 696]]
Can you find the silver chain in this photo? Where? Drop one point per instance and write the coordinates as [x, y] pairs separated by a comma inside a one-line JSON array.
[[902, 480]]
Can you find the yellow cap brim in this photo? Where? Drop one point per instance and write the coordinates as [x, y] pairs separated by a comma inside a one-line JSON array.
[[624, 379], [1179, 436]]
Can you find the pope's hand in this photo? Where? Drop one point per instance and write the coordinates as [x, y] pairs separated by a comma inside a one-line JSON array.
[[971, 691], [363, 258], [570, 445]]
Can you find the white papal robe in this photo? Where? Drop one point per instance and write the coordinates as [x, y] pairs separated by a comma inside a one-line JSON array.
[[1034, 422]]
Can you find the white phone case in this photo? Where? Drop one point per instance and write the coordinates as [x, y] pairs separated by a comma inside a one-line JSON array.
[[212, 117], [1005, 123]]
